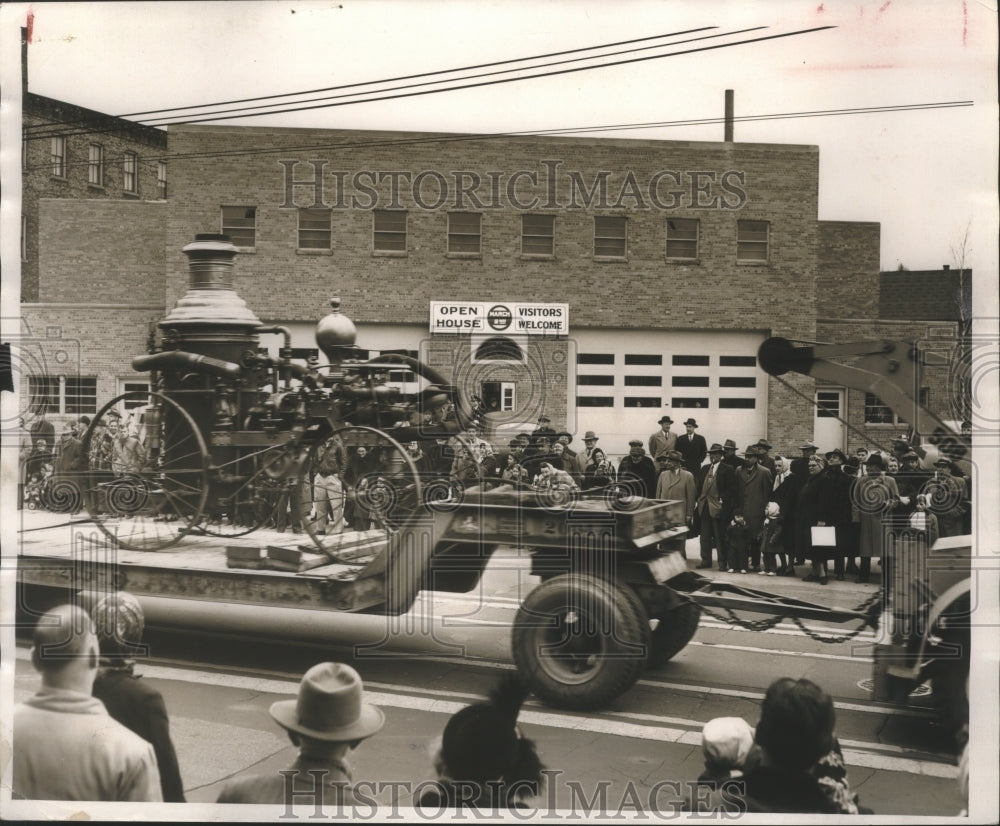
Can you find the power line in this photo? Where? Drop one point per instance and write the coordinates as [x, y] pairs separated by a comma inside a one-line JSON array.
[[418, 75], [407, 77], [497, 81], [447, 139]]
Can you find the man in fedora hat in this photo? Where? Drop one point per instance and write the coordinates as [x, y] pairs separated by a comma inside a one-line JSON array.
[[589, 443], [544, 430], [716, 488], [663, 441], [764, 456], [808, 451], [326, 721], [638, 471], [675, 482], [729, 455], [692, 447]]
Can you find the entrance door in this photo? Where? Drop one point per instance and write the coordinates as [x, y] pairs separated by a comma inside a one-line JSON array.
[[828, 430]]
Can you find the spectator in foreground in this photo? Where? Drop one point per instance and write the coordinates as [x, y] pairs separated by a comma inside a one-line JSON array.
[[132, 701], [66, 745], [483, 760], [796, 765], [327, 721], [725, 744]]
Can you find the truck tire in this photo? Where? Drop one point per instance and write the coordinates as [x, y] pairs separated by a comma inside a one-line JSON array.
[[581, 641], [673, 631]]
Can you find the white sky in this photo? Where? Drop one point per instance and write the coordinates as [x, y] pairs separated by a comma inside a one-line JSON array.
[[925, 176]]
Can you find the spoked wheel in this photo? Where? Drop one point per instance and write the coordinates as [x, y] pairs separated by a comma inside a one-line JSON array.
[[147, 471], [246, 489], [357, 480], [581, 641], [674, 629]]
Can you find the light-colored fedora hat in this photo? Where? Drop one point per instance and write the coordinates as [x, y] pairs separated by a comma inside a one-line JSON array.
[[329, 706]]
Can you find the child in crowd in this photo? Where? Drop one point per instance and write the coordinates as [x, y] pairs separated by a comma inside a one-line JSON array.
[[739, 538], [725, 744], [771, 542]]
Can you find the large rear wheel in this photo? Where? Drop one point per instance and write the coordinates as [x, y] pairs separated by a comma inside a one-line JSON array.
[[581, 641]]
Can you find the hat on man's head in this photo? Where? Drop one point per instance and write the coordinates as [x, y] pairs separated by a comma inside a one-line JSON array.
[[590, 437], [329, 706], [544, 418], [875, 461], [808, 446], [942, 461], [673, 455], [763, 443], [752, 450], [716, 448], [836, 452], [691, 422], [85, 420], [665, 419], [119, 622], [853, 464], [726, 741], [729, 444], [635, 443], [114, 413], [565, 433]]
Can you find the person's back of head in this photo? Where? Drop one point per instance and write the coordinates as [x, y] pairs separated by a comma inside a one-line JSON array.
[[481, 743], [65, 649], [725, 743], [796, 724], [119, 623]]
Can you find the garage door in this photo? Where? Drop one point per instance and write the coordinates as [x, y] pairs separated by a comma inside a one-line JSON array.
[[627, 379]]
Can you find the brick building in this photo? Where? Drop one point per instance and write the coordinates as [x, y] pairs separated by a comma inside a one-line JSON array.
[[606, 281]]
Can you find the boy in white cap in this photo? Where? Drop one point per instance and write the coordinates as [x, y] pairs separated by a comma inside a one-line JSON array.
[[326, 721], [725, 743]]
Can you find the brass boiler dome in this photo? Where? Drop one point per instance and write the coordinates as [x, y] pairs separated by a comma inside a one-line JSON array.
[[335, 333]]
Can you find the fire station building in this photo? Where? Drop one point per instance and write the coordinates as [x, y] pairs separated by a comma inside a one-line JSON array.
[[602, 282]]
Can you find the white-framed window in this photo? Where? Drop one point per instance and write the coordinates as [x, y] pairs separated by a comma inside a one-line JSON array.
[[240, 224], [130, 385], [57, 155], [610, 235], [752, 241], [314, 229], [389, 230], [95, 165], [465, 232], [130, 172], [161, 179], [682, 238], [69, 395], [878, 412], [538, 234]]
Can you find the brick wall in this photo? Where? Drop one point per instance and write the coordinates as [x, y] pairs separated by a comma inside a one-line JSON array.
[[848, 282], [83, 127], [926, 294], [102, 251]]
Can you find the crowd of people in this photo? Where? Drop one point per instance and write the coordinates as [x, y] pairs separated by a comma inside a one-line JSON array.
[[95, 731]]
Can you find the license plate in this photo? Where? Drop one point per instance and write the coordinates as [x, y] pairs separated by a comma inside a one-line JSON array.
[[667, 567]]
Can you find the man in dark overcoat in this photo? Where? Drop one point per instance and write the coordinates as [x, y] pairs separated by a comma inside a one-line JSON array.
[[692, 447], [716, 490]]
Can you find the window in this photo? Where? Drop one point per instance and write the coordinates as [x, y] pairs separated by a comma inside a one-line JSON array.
[[314, 229], [876, 412], [642, 401], [134, 387], [130, 167], [240, 224], [465, 232], [58, 155], [737, 361], [596, 380], [161, 179], [595, 358], [95, 165], [682, 238], [68, 395], [538, 234], [644, 358], [609, 236], [689, 401], [752, 241], [827, 404], [743, 404], [643, 381], [498, 396], [595, 401], [689, 381], [737, 381], [689, 361], [389, 228]]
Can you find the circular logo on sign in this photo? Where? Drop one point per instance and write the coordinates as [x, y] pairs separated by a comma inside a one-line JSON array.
[[499, 317]]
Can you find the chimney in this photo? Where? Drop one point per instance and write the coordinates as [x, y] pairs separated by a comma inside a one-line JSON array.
[[946, 267], [24, 61], [729, 116]]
